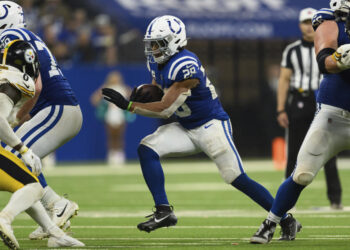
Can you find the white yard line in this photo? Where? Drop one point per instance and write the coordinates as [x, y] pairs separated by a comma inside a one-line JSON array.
[[319, 213], [201, 227], [171, 167]]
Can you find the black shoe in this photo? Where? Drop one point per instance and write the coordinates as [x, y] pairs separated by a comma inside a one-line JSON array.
[[336, 206], [162, 217], [265, 233], [289, 228]]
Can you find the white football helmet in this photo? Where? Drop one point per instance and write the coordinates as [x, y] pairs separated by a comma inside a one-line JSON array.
[[340, 7], [164, 37], [11, 15]]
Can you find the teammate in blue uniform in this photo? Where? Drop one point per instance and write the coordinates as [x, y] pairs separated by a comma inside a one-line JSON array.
[[202, 124], [49, 123], [329, 133]]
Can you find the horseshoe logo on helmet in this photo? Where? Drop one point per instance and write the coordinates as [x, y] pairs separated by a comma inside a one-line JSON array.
[[171, 28], [5, 6]]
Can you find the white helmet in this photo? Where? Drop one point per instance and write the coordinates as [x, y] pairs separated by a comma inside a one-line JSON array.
[[11, 15], [340, 7], [164, 37]]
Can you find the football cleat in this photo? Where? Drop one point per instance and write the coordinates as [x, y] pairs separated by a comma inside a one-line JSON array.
[[64, 241], [38, 234], [62, 211], [162, 217], [265, 233], [7, 236], [289, 228]]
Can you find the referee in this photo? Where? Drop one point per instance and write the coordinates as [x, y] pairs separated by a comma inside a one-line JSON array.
[[296, 102]]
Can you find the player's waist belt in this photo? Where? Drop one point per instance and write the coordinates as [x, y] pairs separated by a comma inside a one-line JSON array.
[[302, 92], [339, 111]]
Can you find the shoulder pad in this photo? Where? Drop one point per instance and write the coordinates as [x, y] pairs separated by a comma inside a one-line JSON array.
[[22, 82], [183, 68], [322, 15]]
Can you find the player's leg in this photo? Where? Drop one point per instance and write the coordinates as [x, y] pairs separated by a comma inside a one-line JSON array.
[[57, 238], [334, 189], [328, 135], [44, 133], [16, 178], [169, 139], [215, 139], [296, 131]]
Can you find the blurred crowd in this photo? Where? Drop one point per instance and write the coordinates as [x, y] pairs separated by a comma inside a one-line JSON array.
[[72, 34]]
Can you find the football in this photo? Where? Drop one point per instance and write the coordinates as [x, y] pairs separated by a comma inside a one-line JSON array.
[[147, 93]]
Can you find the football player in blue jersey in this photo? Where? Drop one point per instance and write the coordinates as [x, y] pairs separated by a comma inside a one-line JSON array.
[[18, 73], [202, 124], [45, 121], [329, 133]]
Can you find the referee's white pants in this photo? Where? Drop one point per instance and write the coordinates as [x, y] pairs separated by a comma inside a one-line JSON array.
[[328, 135], [50, 128]]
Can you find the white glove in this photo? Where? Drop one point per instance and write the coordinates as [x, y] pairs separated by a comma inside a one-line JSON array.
[[32, 160], [342, 57]]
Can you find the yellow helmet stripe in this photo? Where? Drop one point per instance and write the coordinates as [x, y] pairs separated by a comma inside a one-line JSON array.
[[6, 49], [24, 90]]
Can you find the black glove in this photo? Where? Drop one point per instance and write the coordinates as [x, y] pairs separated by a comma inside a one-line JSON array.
[[133, 94], [115, 97]]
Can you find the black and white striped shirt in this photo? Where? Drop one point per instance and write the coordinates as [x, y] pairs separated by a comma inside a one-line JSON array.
[[301, 59]]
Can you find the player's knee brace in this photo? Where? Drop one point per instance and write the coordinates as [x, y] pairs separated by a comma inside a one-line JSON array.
[[303, 178]]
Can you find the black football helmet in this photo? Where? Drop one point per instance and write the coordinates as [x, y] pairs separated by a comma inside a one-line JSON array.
[[21, 55]]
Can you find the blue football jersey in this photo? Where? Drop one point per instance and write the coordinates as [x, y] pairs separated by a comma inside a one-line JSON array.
[[321, 16], [56, 89], [203, 105], [335, 88]]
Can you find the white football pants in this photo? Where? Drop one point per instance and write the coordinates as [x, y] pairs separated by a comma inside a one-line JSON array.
[[50, 128], [328, 135], [214, 138]]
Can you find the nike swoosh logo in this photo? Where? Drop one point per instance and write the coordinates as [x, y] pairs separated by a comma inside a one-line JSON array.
[[207, 126], [27, 86], [157, 221], [64, 209]]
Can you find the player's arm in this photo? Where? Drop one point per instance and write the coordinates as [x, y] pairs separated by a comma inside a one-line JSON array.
[[282, 94], [23, 114], [330, 58], [9, 96], [174, 97]]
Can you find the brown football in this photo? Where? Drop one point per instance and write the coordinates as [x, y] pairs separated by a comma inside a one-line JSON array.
[[148, 93]]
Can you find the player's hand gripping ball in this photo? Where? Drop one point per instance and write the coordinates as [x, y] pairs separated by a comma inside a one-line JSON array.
[[146, 93]]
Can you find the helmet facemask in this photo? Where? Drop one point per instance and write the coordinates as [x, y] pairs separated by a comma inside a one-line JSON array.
[[157, 49]]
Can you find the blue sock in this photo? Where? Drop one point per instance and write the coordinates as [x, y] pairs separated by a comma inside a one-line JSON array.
[[254, 190], [286, 197], [153, 174], [41, 178]]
